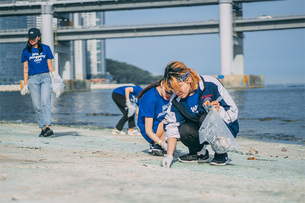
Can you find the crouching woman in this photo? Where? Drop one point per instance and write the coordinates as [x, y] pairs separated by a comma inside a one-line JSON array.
[[153, 103], [186, 112]]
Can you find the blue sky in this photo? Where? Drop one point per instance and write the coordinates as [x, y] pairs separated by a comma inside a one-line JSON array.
[[278, 55]]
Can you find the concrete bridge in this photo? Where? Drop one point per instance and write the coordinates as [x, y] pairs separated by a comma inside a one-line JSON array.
[[230, 25]]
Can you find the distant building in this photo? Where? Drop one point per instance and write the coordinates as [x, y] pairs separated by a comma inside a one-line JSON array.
[[11, 69], [85, 55]]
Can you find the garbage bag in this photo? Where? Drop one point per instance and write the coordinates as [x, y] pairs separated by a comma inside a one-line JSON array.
[[57, 85], [214, 130], [132, 109]]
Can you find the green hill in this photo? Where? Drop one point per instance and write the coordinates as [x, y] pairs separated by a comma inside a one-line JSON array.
[[126, 73]]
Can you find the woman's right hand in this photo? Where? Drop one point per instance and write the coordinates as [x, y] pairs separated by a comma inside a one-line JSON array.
[[167, 161], [24, 90]]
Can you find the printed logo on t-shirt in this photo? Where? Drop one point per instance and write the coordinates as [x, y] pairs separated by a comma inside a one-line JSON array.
[[37, 57], [133, 98], [164, 109], [194, 109]]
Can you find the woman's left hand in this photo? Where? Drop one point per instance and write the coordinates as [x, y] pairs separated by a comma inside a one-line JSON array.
[[216, 105]]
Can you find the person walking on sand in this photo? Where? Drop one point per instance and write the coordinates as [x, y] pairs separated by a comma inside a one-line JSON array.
[[186, 112], [125, 98], [37, 63], [153, 103]]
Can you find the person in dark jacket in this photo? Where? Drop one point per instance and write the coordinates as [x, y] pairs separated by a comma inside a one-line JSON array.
[[192, 92]]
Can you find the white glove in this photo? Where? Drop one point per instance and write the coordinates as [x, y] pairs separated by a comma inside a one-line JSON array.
[[55, 75], [167, 161], [131, 107], [128, 103], [24, 90], [164, 146]]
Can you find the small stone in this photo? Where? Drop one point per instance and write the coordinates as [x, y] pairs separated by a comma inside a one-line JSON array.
[[284, 149]]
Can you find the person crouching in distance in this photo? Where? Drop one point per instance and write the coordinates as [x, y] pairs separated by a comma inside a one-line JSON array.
[[153, 104], [186, 112]]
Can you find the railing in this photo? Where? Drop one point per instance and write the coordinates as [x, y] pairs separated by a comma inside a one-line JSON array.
[[209, 21], [264, 17], [37, 1]]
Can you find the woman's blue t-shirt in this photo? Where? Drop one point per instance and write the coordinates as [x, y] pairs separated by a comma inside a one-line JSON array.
[[37, 62], [154, 106], [192, 101], [133, 95]]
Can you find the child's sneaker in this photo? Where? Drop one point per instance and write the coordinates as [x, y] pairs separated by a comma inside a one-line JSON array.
[[134, 132], [118, 132]]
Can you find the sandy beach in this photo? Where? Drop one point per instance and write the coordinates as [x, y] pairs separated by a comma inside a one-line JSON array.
[[79, 164]]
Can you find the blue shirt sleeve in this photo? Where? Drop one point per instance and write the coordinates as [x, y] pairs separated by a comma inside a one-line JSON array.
[[148, 105], [24, 56], [49, 54]]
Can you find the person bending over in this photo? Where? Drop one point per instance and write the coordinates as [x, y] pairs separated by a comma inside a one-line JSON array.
[[125, 98]]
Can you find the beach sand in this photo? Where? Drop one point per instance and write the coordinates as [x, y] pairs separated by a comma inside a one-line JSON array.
[[80, 164]]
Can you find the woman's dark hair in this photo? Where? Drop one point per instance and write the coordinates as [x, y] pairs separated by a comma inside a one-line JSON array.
[[29, 46], [156, 84]]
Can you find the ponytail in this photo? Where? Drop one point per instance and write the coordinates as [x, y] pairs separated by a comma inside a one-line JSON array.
[[156, 84]]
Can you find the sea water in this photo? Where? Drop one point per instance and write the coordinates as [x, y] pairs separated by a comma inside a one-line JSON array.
[[275, 112]]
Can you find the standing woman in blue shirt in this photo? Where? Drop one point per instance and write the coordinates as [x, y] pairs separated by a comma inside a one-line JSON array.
[[37, 63], [125, 97], [153, 104]]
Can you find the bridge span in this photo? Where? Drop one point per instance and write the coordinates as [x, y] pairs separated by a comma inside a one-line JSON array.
[[164, 29]]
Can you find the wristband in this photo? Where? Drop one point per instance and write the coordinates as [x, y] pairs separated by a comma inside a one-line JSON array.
[[159, 142], [53, 72]]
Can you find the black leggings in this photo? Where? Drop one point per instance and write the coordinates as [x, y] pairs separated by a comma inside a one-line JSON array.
[[120, 101], [189, 135]]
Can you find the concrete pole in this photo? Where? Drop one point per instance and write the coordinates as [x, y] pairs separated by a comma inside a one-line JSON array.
[[238, 44], [47, 25], [226, 37], [79, 53], [103, 48]]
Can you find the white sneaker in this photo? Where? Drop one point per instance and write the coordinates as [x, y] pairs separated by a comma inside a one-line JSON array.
[[118, 132], [134, 132]]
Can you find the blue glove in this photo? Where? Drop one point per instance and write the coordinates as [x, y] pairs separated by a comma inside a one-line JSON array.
[[167, 161]]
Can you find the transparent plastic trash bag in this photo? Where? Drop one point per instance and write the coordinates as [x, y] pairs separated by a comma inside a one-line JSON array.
[[57, 85], [132, 109], [214, 130]]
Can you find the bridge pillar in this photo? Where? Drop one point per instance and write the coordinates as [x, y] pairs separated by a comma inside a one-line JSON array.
[[47, 25], [103, 48], [79, 53], [47, 29], [226, 38], [238, 44]]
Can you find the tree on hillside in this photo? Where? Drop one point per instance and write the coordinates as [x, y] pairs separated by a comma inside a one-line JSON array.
[[126, 73]]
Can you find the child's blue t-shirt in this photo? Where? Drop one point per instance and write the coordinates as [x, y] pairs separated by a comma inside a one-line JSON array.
[[37, 62], [133, 95], [154, 106]]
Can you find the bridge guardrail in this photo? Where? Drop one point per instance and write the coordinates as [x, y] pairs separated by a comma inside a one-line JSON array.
[[154, 24]]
